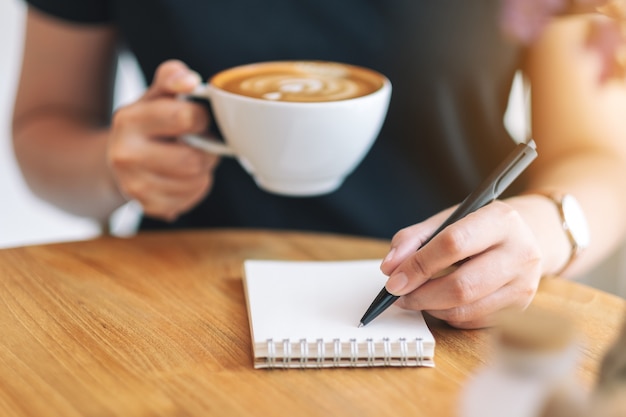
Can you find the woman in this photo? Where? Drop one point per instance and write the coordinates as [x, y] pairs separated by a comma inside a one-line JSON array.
[[451, 66]]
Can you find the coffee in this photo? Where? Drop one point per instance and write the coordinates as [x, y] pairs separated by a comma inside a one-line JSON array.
[[299, 81], [299, 128]]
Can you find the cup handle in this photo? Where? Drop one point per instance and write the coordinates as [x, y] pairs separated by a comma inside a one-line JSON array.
[[207, 143]]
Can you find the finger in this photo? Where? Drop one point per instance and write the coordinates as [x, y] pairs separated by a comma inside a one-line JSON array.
[[475, 279], [163, 117], [178, 180], [164, 159], [172, 77], [170, 206], [465, 238], [408, 240], [165, 197], [464, 285], [483, 312]]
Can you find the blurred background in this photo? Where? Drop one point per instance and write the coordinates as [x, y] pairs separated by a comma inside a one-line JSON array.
[[26, 220]]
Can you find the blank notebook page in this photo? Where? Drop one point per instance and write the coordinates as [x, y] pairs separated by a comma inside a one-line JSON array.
[[306, 314]]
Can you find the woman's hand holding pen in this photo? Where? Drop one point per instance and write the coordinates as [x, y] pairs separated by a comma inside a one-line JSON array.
[[483, 263], [164, 175]]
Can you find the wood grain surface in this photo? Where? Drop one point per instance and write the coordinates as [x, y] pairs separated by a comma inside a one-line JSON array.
[[156, 325]]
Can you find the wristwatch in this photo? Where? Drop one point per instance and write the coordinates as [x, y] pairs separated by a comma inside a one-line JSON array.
[[573, 222]]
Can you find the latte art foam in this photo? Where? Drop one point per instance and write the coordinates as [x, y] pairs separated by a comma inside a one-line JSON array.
[[299, 81], [298, 88]]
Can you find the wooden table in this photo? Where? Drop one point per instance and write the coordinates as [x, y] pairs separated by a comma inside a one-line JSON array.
[[157, 325]]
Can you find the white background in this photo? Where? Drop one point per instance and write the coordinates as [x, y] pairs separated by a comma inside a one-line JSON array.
[[25, 220]]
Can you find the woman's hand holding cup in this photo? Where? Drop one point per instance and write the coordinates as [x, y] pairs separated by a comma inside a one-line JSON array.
[[301, 138], [166, 176]]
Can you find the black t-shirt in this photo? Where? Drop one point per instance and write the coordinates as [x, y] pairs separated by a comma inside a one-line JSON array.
[[450, 68]]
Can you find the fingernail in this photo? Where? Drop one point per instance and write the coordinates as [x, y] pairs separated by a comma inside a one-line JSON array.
[[396, 283], [389, 256], [184, 80]]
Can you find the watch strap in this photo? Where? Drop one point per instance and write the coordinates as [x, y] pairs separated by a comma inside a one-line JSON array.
[[575, 247]]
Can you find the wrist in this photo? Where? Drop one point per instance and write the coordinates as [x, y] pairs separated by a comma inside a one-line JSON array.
[[573, 224], [563, 231], [542, 217]]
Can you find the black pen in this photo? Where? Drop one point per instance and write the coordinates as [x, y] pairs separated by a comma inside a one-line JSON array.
[[504, 174]]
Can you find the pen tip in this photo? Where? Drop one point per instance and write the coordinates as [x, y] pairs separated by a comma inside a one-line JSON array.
[[361, 324]]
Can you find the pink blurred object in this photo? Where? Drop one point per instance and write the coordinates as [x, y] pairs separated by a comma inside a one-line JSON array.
[[523, 20], [608, 39]]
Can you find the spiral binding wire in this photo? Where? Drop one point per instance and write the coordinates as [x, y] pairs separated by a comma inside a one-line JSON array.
[[304, 353], [419, 348], [354, 352], [320, 359], [321, 350], [271, 354], [371, 352], [387, 350], [336, 352], [286, 352]]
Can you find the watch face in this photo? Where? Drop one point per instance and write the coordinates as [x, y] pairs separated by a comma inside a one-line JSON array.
[[576, 221]]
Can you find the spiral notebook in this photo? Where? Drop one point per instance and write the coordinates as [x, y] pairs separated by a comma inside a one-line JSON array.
[[305, 314]]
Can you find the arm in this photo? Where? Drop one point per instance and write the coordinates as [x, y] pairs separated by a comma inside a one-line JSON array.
[[578, 120], [71, 151], [62, 108], [501, 251]]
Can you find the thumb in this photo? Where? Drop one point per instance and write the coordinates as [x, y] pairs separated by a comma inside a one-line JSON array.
[[172, 77]]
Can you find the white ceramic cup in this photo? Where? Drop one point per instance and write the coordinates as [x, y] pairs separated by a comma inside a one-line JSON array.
[[297, 148]]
